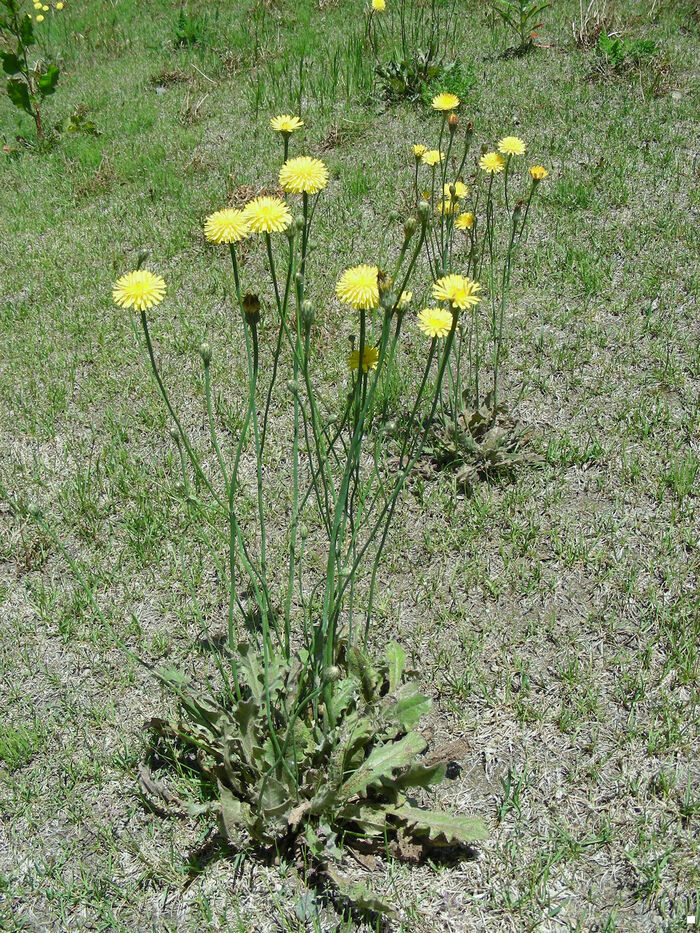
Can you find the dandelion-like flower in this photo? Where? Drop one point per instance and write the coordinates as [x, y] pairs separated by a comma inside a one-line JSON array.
[[405, 299], [267, 215], [370, 358], [447, 206], [358, 287], [445, 102], [303, 175], [538, 172], [419, 150], [459, 290], [226, 226], [492, 162], [464, 221], [139, 290], [435, 322], [379, 6], [285, 123], [39, 18], [432, 157], [511, 145], [456, 189]]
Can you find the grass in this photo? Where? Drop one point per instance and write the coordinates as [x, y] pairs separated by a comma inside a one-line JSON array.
[[554, 618]]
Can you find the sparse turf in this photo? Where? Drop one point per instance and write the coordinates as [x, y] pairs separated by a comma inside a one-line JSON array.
[[554, 617]]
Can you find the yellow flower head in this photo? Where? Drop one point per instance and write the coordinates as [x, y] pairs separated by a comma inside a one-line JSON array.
[[139, 290], [358, 287], [40, 18], [435, 322], [456, 190], [285, 123], [227, 226], [405, 299], [447, 206], [379, 6], [267, 215], [59, 6], [492, 162], [458, 290], [37, 6], [538, 172], [303, 175], [419, 151], [511, 145], [432, 157], [370, 358], [446, 102], [465, 221]]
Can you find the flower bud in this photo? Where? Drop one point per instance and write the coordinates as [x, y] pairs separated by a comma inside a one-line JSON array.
[[303, 532], [453, 122], [205, 353], [384, 282], [393, 217], [332, 674], [307, 313], [291, 232], [293, 387], [175, 434], [391, 426], [299, 223], [34, 510], [424, 212], [409, 228], [251, 308]]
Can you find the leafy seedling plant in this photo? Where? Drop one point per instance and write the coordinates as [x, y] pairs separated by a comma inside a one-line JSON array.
[[520, 16], [479, 224], [29, 80]]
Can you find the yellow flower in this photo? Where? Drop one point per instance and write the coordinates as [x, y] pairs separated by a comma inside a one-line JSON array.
[[370, 358], [458, 290], [303, 174], [267, 215], [138, 290], [445, 102], [456, 190], [465, 221], [492, 162], [358, 287], [419, 150], [37, 6], [227, 226], [59, 6], [45, 8], [511, 145], [285, 123], [39, 18], [432, 157], [448, 206], [405, 299], [435, 322], [378, 6], [538, 172]]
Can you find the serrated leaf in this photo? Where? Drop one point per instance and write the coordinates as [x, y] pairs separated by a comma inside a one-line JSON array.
[[371, 818], [48, 81], [396, 659], [382, 763], [419, 775], [236, 816], [441, 828], [18, 92], [411, 705], [359, 665], [359, 894]]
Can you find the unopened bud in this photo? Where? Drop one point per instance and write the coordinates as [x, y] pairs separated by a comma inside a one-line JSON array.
[[175, 434], [142, 257], [332, 674], [293, 387], [299, 223], [251, 308], [307, 313], [34, 510], [410, 227], [517, 209], [291, 232], [384, 281], [390, 426], [205, 353], [453, 122], [470, 129], [424, 212], [303, 532]]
